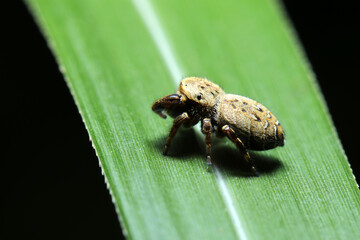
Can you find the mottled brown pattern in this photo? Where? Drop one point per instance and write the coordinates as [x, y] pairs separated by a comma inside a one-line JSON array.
[[194, 87], [255, 126]]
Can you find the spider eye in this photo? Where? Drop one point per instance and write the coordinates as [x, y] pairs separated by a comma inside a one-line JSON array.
[[198, 97]]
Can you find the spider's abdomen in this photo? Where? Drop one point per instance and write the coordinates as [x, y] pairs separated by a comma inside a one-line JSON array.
[[254, 124]]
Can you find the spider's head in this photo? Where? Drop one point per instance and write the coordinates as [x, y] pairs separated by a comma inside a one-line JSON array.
[[200, 90]]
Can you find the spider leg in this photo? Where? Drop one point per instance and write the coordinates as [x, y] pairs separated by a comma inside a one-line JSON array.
[[206, 129], [230, 133], [178, 121]]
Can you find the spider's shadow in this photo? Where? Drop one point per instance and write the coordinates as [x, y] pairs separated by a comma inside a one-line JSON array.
[[230, 160], [183, 145], [226, 157]]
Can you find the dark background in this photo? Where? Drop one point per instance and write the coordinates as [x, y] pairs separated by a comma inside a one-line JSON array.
[[43, 130]]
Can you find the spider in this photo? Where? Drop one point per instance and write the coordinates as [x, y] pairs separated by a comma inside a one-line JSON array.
[[247, 123]]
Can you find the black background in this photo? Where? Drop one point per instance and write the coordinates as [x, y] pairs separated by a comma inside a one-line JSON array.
[[43, 130]]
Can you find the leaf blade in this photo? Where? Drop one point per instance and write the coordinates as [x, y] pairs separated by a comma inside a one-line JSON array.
[[100, 67]]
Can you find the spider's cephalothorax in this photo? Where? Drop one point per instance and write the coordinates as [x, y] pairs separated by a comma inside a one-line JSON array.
[[247, 123]]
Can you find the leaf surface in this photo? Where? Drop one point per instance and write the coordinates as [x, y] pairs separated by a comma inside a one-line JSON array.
[[118, 57]]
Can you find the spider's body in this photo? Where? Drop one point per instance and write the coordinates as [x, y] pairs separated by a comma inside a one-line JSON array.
[[247, 123]]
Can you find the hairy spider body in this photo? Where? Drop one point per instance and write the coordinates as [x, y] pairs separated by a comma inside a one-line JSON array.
[[247, 123]]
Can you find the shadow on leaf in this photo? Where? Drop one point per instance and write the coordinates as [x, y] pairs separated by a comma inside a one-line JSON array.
[[226, 157], [230, 160], [182, 146]]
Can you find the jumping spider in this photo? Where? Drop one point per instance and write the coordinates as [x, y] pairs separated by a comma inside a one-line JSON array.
[[247, 123]]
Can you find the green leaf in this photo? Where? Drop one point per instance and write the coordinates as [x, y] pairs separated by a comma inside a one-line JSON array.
[[118, 57]]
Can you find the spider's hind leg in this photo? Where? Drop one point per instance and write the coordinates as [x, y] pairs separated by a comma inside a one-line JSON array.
[[230, 133]]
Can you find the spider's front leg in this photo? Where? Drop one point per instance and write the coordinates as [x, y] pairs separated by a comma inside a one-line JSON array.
[[178, 121], [166, 103], [206, 129]]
